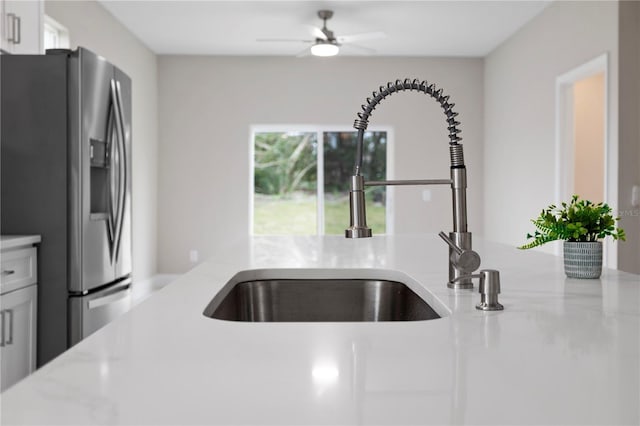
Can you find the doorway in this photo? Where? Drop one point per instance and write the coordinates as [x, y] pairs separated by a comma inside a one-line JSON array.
[[588, 137], [586, 162]]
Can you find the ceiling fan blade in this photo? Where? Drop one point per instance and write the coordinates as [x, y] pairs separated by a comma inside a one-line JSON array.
[[361, 37], [317, 32], [303, 53], [288, 40]]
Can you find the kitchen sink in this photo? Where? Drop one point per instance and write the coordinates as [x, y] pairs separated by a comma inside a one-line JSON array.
[[318, 296]]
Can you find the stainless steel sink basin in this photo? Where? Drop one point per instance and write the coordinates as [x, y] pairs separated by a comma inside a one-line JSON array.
[[313, 299]]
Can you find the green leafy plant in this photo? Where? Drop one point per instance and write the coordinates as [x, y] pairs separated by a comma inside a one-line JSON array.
[[578, 220]]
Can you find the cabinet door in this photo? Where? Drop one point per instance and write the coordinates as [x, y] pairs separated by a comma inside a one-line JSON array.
[[4, 44], [18, 350], [23, 25]]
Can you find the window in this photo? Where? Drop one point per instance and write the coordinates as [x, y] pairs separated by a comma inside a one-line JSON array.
[[56, 35], [301, 180]]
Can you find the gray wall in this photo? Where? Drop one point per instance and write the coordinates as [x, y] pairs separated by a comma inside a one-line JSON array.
[[629, 171], [207, 105], [520, 76], [91, 26]]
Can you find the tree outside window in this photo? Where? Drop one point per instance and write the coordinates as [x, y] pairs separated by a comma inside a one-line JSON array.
[[301, 181]]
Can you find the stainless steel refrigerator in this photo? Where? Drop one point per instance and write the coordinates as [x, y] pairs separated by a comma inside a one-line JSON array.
[[66, 174]]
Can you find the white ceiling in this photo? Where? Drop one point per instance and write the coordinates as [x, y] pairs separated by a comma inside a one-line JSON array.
[[412, 28]]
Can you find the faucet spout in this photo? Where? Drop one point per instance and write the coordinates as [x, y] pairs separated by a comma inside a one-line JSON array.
[[458, 178], [362, 122]]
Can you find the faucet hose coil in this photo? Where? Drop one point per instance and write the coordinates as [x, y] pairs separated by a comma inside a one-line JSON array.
[[362, 121]]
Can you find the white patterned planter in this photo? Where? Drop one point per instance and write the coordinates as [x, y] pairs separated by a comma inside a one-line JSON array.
[[582, 260]]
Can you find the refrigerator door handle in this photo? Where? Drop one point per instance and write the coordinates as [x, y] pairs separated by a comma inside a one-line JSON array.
[[114, 181], [112, 196], [118, 162], [123, 166], [117, 295]]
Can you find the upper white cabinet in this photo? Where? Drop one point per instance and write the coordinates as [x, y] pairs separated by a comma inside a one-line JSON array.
[[21, 26]]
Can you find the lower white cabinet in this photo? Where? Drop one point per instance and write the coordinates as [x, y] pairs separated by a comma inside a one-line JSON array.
[[18, 308], [18, 344]]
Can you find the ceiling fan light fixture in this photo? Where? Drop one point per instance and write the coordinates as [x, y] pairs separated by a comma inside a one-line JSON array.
[[324, 49]]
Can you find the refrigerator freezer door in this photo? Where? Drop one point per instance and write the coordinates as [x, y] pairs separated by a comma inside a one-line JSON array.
[[88, 314]]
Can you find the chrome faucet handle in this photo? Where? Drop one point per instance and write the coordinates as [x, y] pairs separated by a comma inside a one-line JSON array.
[[463, 260], [489, 289]]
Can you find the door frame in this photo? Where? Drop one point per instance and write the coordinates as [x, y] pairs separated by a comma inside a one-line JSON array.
[[564, 161]]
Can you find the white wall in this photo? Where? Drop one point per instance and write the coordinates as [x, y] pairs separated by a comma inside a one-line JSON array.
[[91, 26], [629, 172], [520, 77], [207, 105]]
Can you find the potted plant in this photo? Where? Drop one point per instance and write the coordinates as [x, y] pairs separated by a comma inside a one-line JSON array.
[[581, 224]]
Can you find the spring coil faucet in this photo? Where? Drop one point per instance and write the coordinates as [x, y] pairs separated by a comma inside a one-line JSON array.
[[462, 259]]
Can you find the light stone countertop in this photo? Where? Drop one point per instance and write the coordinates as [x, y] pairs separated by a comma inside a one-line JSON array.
[[564, 351], [13, 241]]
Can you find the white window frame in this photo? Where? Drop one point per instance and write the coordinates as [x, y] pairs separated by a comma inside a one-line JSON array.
[[320, 130], [62, 33]]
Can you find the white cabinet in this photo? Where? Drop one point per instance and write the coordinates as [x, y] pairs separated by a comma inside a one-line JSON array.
[[18, 335], [22, 26], [18, 309]]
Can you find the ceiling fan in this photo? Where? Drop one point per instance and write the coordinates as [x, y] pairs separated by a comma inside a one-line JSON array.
[[326, 43]]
